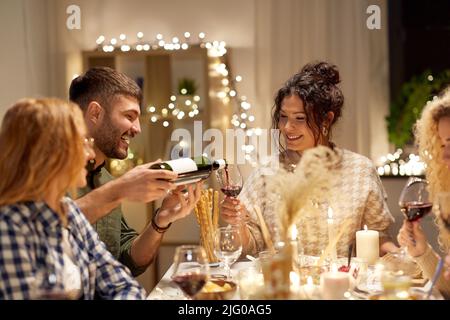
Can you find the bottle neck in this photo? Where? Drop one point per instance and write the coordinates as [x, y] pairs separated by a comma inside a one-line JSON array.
[[219, 164]]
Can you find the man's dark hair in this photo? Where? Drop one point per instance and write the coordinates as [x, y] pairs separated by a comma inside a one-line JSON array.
[[102, 84]]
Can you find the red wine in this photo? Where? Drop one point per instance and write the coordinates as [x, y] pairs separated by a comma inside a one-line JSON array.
[[231, 191], [190, 283], [227, 175], [416, 210]]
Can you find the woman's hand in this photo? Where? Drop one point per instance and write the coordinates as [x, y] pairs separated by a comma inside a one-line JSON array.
[[412, 237], [447, 266], [232, 210]]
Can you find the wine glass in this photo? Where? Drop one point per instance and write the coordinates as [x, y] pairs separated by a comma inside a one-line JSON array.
[[414, 201], [443, 208], [191, 269], [227, 246], [230, 180]]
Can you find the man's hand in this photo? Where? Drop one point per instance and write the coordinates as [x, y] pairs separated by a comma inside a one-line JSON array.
[[178, 205], [142, 184]]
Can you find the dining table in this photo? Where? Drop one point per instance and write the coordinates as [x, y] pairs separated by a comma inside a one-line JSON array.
[[166, 289]]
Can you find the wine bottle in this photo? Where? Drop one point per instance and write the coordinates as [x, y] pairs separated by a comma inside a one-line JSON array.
[[191, 170]]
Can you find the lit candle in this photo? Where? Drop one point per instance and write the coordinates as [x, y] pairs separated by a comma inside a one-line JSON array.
[[331, 234], [334, 284], [295, 283], [251, 283], [294, 243], [368, 245], [309, 289]]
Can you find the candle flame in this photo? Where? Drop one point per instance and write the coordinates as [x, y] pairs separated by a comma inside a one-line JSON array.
[[294, 233], [330, 213], [365, 227], [334, 268], [294, 280]]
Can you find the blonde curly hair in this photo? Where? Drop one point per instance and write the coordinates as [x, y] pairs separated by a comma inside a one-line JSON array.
[[431, 153]]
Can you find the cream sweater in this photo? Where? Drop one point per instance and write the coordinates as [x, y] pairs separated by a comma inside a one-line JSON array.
[[358, 194]]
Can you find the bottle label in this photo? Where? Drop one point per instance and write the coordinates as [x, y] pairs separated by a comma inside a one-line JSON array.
[[182, 165]]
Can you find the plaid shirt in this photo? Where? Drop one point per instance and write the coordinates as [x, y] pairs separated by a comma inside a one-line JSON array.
[[31, 240]]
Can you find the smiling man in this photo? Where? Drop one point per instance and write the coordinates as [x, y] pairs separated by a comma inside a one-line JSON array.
[[110, 102]]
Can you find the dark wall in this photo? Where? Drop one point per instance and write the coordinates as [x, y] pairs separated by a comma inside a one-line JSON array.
[[419, 38]]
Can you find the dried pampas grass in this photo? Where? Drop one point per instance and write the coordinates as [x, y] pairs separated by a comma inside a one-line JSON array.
[[309, 183]]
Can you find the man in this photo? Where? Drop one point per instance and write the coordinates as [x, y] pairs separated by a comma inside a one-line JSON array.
[[110, 102]]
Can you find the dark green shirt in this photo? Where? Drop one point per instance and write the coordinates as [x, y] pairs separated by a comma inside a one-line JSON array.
[[112, 229]]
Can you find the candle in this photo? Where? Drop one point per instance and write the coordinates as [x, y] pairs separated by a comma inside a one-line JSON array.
[[334, 284], [308, 289], [331, 234], [295, 283], [368, 245], [294, 245], [251, 283]]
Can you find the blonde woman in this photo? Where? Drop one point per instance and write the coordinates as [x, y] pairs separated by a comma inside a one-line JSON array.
[[43, 156], [433, 138]]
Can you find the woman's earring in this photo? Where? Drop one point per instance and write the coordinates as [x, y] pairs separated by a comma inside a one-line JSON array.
[[324, 131]]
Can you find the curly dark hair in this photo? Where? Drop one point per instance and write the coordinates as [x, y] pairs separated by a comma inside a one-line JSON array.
[[316, 86]]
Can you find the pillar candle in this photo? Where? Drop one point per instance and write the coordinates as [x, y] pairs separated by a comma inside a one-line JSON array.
[[334, 284], [368, 245]]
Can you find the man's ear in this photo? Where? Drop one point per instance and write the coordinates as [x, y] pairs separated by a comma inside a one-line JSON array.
[[94, 112]]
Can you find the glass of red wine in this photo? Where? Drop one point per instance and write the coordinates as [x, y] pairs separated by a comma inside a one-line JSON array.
[[230, 180], [191, 269], [414, 200]]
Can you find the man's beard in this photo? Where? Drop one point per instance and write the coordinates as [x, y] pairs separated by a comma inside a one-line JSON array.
[[107, 139]]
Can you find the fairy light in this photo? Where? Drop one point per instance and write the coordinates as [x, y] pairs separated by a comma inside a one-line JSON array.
[[216, 50], [397, 164], [100, 40]]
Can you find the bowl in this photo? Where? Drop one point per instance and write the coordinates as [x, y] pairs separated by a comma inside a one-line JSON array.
[[217, 289]]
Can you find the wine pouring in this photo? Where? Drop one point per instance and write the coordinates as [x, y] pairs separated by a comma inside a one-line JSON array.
[[230, 180]]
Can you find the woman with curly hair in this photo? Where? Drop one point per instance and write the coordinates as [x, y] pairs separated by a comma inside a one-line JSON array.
[[432, 133], [305, 111]]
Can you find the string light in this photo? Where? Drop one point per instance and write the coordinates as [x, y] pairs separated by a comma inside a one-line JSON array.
[[397, 164], [217, 68]]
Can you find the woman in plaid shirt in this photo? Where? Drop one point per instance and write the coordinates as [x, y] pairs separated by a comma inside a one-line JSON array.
[[44, 151]]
